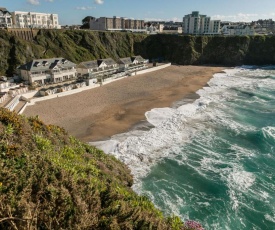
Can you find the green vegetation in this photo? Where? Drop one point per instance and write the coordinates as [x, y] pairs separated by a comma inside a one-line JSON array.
[[81, 45], [50, 180]]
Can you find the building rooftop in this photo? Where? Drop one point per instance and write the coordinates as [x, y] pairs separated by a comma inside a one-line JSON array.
[[125, 61], [46, 64], [107, 61], [89, 64], [137, 58]]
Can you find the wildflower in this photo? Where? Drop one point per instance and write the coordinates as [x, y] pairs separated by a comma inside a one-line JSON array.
[[192, 225]]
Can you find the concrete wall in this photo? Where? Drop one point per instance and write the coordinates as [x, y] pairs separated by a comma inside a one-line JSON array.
[[151, 69], [26, 34]]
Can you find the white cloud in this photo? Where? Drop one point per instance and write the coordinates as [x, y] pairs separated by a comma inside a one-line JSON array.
[[33, 2], [99, 2], [85, 7], [49, 0]]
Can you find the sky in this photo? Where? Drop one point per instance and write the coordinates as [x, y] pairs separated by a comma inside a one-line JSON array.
[[71, 12]]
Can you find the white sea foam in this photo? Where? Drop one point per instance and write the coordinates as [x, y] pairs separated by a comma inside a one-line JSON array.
[[269, 132], [173, 127], [157, 116], [270, 217]]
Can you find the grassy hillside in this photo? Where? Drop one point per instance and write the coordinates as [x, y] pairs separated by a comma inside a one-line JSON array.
[[80, 45], [76, 46], [49, 180]]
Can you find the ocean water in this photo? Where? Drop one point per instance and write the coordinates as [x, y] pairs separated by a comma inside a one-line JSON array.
[[211, 160]]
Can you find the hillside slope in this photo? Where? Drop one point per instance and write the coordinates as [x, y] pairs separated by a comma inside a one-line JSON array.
[[49, 180], [80, 45]]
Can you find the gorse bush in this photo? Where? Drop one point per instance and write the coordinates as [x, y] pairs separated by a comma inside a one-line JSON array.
[[50, 180]]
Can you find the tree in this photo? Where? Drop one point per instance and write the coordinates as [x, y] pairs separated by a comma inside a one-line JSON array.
[[86, 22]]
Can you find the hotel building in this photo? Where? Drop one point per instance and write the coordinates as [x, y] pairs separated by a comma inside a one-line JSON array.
[[117, 24], [198, 24], [35, 20]]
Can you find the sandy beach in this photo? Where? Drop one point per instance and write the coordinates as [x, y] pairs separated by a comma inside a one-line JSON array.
[[114, 108]]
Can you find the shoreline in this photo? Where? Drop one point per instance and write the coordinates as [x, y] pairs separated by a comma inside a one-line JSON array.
[[98, 114]]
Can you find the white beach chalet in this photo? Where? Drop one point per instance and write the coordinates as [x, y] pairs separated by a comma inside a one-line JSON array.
[[132, 63], [97, 68], [43, 71]]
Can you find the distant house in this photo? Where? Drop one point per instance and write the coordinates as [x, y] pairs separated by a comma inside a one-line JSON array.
[[97, 68], [43, 71], [239, 29], [5, 18]]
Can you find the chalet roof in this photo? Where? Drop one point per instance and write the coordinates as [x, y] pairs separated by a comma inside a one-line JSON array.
[[4, 10], [89, 64], [46, 64], [107, 61], [125, 61], [137, 58]]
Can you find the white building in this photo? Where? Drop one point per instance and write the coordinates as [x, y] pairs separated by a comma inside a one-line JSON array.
[[43, 71], [35, 20], [117, 24], [5, 18], [198, 24], [134, 63], [97, 68], [238, 30]]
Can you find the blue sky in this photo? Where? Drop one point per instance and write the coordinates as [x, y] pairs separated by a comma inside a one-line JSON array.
[[73, 11]]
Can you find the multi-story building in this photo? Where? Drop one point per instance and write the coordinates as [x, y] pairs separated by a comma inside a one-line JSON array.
[[5, 18], [97, 68], [35, 20], [132, 63], [116, 24], [43, 71], [199, 24]]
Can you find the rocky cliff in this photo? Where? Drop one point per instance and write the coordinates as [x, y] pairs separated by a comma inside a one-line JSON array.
[[80, 46]]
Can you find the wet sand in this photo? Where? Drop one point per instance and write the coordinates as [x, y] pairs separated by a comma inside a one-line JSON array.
[[114, 108]]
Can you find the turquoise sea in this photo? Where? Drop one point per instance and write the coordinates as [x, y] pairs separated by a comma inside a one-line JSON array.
[[212, 160]]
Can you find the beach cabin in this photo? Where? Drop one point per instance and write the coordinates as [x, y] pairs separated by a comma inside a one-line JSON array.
[[108, 66], [124, 63], [99, 69], [44, 71], [87, 69]]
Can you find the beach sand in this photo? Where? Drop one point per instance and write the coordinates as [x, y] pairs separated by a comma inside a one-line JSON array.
[[99, 113]]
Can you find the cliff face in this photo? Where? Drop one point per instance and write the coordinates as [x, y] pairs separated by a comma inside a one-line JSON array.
[[80, 46], [229, 51]]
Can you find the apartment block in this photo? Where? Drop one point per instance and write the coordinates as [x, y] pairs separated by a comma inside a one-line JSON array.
[[5, 18], [35, 20], [116, 24], [199, 24]]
